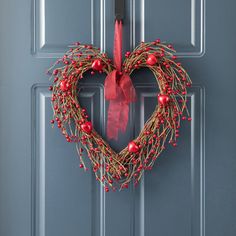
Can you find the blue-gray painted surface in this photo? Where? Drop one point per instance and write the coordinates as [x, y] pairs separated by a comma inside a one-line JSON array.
[[189, 192]]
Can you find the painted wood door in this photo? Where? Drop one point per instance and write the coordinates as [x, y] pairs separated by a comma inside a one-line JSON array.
[[189, 192]]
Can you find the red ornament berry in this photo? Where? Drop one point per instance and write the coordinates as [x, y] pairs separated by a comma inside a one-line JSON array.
[[163, 99], [64, 86], [81, 166], [87, 127], [97, 65], [133, 147], [151, 60]]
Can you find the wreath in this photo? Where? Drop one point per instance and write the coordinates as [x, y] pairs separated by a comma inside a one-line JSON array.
[[116, 170]]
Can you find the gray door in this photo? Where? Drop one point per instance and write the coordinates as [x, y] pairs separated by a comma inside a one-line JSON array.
[[191, 189]]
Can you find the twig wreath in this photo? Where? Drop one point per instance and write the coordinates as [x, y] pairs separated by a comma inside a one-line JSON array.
[[116, 170]]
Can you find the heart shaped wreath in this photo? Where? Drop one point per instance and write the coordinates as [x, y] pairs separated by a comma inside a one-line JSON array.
[[116, 170]]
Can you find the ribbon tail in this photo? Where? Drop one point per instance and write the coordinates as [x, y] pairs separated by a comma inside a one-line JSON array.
[[124, 117], [113, 118], [127, 88], [118, 115], [110, 86]]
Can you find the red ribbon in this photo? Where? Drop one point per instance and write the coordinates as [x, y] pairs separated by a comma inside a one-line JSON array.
[[119, 90]]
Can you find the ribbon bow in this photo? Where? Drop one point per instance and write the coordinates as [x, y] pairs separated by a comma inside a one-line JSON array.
[[119, 90]]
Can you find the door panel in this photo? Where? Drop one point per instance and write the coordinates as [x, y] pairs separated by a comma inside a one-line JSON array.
[[53, 21], [43, 190], [181, 21]]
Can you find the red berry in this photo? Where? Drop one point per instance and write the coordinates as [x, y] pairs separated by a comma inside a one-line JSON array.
[[87, 127], [125, 185], [133, 147], [151, 60], [55, 72], [163, 99], [64, 85], [97, 65], [81, 166]]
